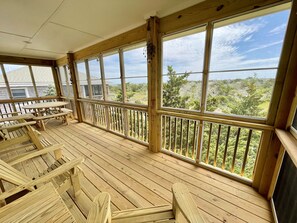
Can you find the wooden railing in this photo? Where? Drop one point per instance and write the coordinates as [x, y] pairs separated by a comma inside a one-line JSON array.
[[179, 136], [126, 120], [138, 124], [16, 105], [231, 148], [71, 105]]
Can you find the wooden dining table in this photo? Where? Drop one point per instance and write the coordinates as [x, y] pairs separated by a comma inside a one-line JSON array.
[[45, 107], [44, 111]]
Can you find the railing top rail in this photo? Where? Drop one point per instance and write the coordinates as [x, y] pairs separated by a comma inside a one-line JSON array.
[[116, 104], [218, 120], [27, 99]]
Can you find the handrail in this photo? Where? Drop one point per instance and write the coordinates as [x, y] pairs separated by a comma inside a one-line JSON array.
[[218, 120], [216, 115], [116, 104], [289, 143], [28, 99]]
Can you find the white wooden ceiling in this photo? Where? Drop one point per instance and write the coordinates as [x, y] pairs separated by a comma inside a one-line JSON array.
[[50, 28]]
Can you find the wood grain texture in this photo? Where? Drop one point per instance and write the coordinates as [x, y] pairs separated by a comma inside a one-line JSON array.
[[134, 177], [210, 10], [26, 61]]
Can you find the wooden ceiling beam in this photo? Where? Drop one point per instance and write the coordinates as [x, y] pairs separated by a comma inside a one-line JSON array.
[[26, 61], [211, 10]]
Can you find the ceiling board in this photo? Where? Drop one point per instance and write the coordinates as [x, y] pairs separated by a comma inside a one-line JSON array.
[[41, 54], [56, 27], [110, 16], [58, 39], [25, 17], [12, 44]]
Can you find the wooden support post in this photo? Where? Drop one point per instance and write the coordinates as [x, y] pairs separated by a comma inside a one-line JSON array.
[[207, 52], [124, 93], [74, 84], [154, 83], [33, 81], [7, 86], [57, 80], [92, 105]]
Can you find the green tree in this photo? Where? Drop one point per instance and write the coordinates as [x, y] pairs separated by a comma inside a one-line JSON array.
[[248, 104], [171, 89], [50, 91]]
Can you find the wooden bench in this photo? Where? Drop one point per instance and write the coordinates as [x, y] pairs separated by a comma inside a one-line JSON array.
[[69, 111], [40, 119]]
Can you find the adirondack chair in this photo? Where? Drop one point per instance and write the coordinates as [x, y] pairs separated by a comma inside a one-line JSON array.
[[64, 174], [15, 130], [183, 209]]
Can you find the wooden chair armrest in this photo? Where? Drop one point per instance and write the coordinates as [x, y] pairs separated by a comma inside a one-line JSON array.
[[183, 203], [23, 157], [16, 126], [100, 210], [43, 179]]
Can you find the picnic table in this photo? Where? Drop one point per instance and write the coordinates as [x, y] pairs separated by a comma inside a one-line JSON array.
[[47, 110]]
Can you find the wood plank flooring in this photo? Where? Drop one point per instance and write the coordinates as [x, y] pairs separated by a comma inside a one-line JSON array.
[[135, 177]]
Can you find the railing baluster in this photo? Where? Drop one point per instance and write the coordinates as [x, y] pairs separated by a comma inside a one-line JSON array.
[[110, 117], [134, 119], [164, 135], [123, 121], [116, 119], [226, 148], [175, 134], [169, 134], [142, 128], [119, 119], [138, 124], [194, 140], [208, 145], [187, 138], [235, 150], [5, 109], [217, 146], [146, 125], [246, 152], [181, 136]]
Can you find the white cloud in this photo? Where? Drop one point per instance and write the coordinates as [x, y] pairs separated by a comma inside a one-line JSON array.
[[278, 29], [264, 46]]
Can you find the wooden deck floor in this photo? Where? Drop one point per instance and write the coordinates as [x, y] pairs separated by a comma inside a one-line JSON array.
[[136, 177]]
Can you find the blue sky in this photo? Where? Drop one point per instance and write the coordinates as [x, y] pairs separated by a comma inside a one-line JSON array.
[[250, 44]]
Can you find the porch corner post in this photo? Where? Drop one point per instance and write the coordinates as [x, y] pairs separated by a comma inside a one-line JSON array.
[[154, 83], [70, 60]]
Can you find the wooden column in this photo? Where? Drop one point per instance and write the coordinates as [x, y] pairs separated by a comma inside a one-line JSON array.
[[74, 85], [124, 93], [57, 79], [7, 86], [284, 93], [154, 83]]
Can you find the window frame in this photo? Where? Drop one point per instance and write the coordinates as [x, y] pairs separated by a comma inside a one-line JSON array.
[[209, 32], [182, 33], [32, 77], [25, 91]]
